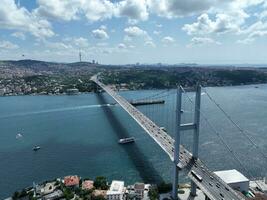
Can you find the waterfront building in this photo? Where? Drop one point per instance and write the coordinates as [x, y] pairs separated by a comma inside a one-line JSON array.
[[72, 91], [2, 91], [71, 181], [45, 189], [102, 193], [88, 185], [259, 182], [57, 194], [116, 191], [234, 179], [139, 189]]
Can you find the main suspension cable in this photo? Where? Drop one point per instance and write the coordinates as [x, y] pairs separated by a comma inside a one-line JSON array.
[[236, 125], [221, 138]]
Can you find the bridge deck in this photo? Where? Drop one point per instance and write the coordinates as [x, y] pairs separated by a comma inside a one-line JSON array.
[[209, 183]]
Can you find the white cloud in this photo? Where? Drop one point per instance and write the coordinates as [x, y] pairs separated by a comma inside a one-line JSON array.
[[256, 34], [156, 32], [8, 45], [134, 31], [58, 46], [72, 9], [253, 36], [94, 10], [242, 4], [19, 18], [127, 38], [229, 16], [98, 9], [167, 40], [133, 9], [254, 31], [200, 41], [203, 26], [100, 34], [59, 9], [223, 23], [103, 27], [257, 26], [107, 51], [181, 8], [80, 42], [262, 15], [246, 41], [122, 46], [19, 35], [150, 43], [102, 44]]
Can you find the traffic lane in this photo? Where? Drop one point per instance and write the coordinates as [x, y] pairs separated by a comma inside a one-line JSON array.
[[210, 182]]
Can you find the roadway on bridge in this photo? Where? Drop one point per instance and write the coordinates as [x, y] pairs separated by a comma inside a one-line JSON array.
[[214, 187]]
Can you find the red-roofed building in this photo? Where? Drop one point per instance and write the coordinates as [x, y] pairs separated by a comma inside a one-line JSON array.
[[87, 185], [71, 181]]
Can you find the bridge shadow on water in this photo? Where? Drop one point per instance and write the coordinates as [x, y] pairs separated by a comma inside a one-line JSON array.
[[146, 170]]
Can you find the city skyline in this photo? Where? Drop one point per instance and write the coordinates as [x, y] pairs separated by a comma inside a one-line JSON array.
[[130, 31]]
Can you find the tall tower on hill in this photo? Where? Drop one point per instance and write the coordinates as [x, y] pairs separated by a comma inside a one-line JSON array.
[[80, 56]]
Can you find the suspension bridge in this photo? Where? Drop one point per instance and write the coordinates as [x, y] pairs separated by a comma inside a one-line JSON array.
[[210, 184]]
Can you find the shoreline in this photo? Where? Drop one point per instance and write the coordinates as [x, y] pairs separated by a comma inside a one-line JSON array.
[[82, 93]]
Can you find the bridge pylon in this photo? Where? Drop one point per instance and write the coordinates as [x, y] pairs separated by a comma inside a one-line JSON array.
[[182, 127]]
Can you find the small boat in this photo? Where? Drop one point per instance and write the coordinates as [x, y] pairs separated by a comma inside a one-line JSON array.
[[163, 128], [18, 136], [126, 140], [36, 148]]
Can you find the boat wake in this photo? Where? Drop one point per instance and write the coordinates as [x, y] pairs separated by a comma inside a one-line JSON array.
[[56, 110]]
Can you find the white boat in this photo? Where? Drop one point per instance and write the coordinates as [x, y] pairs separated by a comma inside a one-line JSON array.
[[36, 148], [18, 136], [126, 140], [163, 128]]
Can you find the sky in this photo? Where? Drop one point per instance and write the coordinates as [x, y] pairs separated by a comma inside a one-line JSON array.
[[135, 31]]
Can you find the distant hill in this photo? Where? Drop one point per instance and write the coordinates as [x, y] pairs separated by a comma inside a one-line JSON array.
[[32, 67]]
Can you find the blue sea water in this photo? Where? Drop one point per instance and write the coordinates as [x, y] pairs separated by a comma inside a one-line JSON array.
[[79, 135]]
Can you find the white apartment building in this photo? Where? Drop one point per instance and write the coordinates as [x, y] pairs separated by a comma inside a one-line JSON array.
[[116, 191]]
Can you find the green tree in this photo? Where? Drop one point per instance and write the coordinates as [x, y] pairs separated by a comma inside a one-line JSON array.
[[99, 197], [153, 193], [68, 194], [15, 195], [164, 187], [101, 183]]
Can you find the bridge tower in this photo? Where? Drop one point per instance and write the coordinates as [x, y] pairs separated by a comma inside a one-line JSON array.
[[182, 127]]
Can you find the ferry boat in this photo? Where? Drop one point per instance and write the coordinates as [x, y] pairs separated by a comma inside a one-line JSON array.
[[36, 148], [126, 140]]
